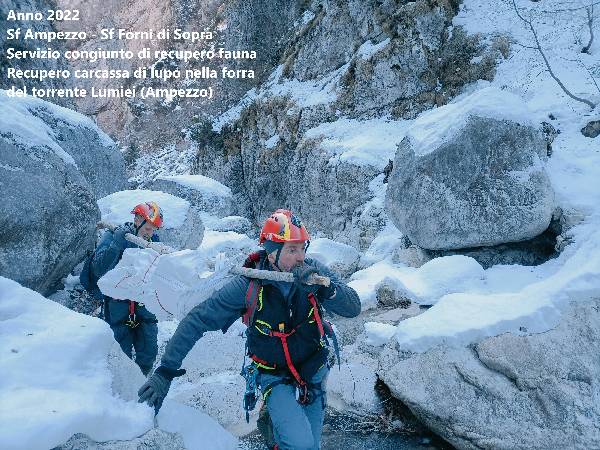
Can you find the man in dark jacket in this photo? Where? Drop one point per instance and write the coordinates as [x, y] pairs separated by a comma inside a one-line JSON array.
[[286, 334], [132, 324]]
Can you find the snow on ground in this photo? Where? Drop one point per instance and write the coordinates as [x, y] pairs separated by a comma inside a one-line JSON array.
[[60, 377], [461, 318], [361, 142], [383, 246], [116, 208], [55, 376], [198, 429], [517, 298]]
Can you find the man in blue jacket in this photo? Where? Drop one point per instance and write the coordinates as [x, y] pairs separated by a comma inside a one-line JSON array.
[[132, 324], [286, 336]]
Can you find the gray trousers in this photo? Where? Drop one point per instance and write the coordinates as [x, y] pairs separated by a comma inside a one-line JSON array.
[[295, 426]]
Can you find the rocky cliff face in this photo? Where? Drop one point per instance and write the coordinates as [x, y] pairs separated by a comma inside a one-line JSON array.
[[357, 60], [316, 61], [236, 24]]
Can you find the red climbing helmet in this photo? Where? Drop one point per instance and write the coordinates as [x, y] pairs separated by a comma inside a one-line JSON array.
[[151, 212], [283, 226]]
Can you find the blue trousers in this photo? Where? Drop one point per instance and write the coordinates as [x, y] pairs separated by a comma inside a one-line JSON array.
[[295, 426], [142, 338]]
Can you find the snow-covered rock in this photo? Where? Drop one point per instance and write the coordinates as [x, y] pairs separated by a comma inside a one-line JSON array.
[[237, 224], [325, 124], [203, 193], [509, 391], [57, 378], [340, 258], [53, 164], [506, 298], [182, 224], [233, 245], [424, 285], [38, 127], [472, 173]]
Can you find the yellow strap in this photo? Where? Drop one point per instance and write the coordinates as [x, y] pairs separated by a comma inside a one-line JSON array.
[[260, 298], [261, 322]]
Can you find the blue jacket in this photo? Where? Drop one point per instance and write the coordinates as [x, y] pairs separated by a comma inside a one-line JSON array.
[[108, 252], [225, 306]]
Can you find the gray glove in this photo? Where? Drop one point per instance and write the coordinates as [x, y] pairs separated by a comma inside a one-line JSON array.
[[302, 273], [156, 388]]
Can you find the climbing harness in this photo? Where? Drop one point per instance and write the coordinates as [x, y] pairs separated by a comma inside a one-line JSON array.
[[131, 321]]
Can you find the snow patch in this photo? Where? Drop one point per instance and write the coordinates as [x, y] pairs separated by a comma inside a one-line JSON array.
[[196, 428], [424, 285], [368, 49], [362, 142], [55, 376], [272, 141]]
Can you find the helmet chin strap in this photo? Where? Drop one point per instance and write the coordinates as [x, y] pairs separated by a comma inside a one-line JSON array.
[[276, 263], [137, 229]]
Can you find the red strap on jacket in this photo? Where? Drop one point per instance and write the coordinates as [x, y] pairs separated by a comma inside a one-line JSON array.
[[288, 358], [313, 302], [131, 308]]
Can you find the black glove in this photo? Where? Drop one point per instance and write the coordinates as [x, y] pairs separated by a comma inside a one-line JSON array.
[[156, 388], [326, 292], [302, 273]]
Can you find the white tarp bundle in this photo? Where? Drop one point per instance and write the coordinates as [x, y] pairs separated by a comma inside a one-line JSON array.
[[169, 285]]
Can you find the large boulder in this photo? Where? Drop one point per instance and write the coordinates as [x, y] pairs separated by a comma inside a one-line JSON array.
[[53, 164], [95, 154], [471, 174], [202, 192], [534, 391], [80, 378]]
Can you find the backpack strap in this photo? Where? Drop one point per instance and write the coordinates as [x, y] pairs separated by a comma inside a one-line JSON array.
[[252, 295], [254, 289], [317, 316]]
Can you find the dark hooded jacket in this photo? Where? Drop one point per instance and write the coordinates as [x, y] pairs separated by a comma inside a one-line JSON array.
[[229, 303]]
